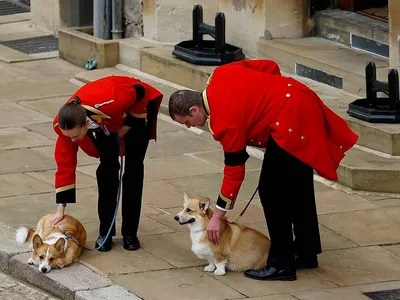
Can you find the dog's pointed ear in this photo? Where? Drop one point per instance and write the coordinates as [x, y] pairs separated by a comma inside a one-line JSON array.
[[185, 198], [59, 245], [36, 241], [204, 204]]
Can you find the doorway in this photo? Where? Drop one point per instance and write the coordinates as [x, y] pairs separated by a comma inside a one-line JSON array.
[[376, 9]]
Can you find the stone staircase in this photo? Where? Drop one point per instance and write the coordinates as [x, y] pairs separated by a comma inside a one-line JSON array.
[[373, 165]]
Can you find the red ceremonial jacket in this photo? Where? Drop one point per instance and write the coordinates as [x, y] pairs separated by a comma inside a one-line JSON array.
[[109, 101], [247, 101]]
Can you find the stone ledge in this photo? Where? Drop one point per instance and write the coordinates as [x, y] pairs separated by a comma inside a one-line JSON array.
[[73, 282], [130, 48], [77, 45], [8, 246], [62, 283], [9, 55], [161, 63]]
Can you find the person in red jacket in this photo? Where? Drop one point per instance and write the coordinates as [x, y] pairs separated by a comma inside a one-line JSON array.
[[99, 118], [250, 103]]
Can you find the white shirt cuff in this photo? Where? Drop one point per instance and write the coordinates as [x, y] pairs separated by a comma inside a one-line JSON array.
[[220, 208]]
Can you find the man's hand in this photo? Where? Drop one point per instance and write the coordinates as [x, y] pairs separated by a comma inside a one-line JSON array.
[[216, 226], [57, 217]]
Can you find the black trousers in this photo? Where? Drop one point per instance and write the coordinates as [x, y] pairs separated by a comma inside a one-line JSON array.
[[286, 190], [136, 143]]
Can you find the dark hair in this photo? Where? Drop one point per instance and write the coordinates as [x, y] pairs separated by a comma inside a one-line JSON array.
[[182, 100], [72, 115]]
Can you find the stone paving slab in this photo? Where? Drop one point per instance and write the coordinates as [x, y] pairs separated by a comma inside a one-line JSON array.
[[217, 157], [366, 227], [332, 201], [21, 184], [48, 70], [359, 265], [163, 194], [82, 180], [307, 280], [120, 261], [45, 129], [34, 89], [25, 160], [12, 114], [17, 138], [110, 292], [147, 226], [62, 283], [273, 297], [180, 142], [47, 106], [176, 166], [173, 248], [209, 185], [332, 240], [168, 219], [332, 294], [178, 284]]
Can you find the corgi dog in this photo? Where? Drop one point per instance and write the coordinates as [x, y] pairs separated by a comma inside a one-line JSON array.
[[240, 247], [51, 249]]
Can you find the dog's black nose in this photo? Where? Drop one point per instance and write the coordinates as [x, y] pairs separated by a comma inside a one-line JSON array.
[[44, 270], [176, 218]]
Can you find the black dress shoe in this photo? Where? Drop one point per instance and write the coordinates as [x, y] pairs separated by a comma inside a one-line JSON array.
[[306, 262], [271, 273], [131, 243], [107, 246]]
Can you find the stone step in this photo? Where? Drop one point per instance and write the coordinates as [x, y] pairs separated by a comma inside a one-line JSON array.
[[363, 170], [129, 50], [381, 137], [324, 61], [354, 30], [360, 170]]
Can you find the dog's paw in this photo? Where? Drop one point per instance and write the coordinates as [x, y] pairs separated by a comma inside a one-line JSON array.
[[30, 261], [219, 272], [209, 268]]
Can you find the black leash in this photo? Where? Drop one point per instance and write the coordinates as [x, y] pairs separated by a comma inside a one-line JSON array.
[[244, 209], [68, 236]]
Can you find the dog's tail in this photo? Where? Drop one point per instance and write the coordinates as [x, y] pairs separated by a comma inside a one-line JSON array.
[[24, 235]]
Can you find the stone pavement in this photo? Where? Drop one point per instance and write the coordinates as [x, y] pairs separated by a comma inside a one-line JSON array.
[[360, 231], [357, 229], [10, 288]]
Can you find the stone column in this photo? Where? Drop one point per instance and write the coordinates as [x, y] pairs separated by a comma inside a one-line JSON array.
[[287, 19], [394, 34]]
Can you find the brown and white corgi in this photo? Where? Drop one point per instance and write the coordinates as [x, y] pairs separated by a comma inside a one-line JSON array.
[[51, 248], [240, 246]]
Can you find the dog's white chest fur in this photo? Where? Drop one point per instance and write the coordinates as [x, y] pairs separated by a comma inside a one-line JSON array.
[[202, 250]]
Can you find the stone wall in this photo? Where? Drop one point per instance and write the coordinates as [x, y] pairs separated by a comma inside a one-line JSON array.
[[246, 20], [133, 18], [47, 15]]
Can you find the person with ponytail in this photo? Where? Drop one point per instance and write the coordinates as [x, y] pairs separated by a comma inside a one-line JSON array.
[[99, 118]]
